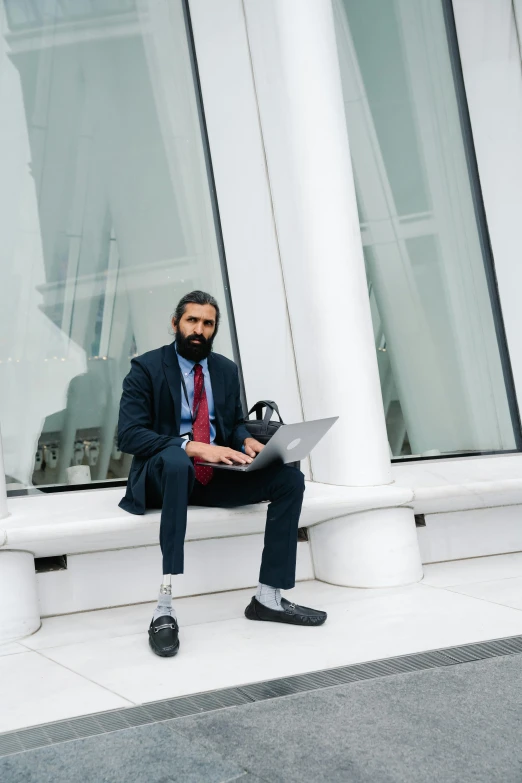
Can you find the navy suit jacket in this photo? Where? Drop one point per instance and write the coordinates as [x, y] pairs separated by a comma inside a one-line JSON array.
[[150, 412]]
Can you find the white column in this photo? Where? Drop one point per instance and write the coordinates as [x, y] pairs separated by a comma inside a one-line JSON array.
[[19, 611], [301, 109], [298, 85]]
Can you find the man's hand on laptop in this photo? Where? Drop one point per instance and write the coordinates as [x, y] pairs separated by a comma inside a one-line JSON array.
[[207, 452], [253, 446]]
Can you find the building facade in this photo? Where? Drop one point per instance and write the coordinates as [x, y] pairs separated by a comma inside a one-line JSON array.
[[345, 177]]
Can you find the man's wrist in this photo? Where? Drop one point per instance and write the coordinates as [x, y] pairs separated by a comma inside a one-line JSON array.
[[189, 448], [194, 447]]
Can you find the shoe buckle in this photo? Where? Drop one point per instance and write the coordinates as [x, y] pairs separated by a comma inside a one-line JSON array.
[[292, 606], [166, 625]]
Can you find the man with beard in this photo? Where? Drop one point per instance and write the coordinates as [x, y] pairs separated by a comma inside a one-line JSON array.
[[180, 407]]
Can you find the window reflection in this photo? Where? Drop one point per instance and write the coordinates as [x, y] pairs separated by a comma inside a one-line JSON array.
[[105, 216], [440, 367]]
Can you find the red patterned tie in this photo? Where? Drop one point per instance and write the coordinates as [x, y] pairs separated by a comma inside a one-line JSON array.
[[201, 427]]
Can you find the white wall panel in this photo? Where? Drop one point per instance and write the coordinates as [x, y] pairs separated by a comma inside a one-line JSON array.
[[245, 206], [479, 532], [130, 576]]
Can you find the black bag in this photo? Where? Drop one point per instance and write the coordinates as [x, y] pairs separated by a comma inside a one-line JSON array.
[[262, 427]]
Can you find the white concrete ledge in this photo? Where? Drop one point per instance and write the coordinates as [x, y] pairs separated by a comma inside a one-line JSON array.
[[88, 521], [465, 497], [441, 486], [360, 536]]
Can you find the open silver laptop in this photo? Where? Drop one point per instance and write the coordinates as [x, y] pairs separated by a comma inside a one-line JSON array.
[[290, 443]]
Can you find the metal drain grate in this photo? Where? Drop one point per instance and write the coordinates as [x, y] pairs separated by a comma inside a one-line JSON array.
[[182, 706]]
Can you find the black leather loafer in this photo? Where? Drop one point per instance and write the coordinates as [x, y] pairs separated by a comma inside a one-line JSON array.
[[292, 613], [163, 636]]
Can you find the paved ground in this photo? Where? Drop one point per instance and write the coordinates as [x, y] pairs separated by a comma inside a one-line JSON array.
[[92, 661], [459, 724]]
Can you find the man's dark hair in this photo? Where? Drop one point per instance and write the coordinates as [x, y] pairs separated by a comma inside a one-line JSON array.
[[199, 298]]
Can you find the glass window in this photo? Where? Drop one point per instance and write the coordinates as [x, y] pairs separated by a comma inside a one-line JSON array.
[[444, 370], [106, 219]]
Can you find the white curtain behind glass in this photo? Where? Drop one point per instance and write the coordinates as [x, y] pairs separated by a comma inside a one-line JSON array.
[[439, 356]]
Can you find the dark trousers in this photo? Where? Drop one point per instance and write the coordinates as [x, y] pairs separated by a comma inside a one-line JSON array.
[[171, 486]]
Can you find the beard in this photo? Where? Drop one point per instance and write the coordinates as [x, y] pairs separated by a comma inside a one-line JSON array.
[[191, 349]]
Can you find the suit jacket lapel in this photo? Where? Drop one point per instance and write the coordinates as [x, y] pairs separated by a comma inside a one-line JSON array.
[[218, 392], [173, 376]]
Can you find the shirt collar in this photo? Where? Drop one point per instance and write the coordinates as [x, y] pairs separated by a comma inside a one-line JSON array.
[[186, 366]]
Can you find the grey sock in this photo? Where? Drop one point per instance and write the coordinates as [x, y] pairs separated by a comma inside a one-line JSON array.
[[164, 605], [269, 597]]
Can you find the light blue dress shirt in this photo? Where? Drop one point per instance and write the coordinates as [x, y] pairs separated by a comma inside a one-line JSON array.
[[187, 368]]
